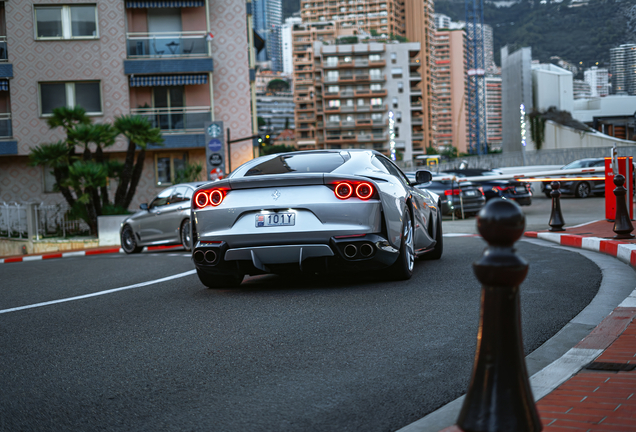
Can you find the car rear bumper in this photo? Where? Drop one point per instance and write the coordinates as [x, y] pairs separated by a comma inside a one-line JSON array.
[[364, 252]]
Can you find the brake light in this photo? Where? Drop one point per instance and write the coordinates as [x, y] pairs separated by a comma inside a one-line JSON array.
[[212, 197], [362, 190], [481, 189], [449, 192], [343, 190], [500, 189]]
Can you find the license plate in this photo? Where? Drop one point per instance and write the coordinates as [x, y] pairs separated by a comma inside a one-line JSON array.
[[521, 189], [275, 219], [470, 193]]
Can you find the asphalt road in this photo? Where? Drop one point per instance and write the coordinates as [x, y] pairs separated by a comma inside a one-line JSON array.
[[277, 354]]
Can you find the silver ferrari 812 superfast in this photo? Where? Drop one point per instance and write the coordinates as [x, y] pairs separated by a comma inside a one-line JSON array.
[[316, 212]]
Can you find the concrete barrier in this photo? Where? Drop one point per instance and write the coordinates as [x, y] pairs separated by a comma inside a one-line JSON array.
[[108, 229]]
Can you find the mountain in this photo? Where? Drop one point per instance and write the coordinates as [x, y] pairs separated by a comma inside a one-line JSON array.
[[579, 33]]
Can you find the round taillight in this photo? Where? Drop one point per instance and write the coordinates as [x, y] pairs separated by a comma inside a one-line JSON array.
[[344, 190], [364, 191], [201, 199], [216, 196]]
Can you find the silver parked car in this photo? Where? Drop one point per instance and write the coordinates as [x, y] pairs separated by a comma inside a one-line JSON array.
[[314, 211], [165, 221]]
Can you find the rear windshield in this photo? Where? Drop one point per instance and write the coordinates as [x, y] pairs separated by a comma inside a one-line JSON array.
[[298, 163]]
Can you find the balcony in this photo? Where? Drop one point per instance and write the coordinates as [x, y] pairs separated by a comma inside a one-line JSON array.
[[176, 119], [381, 107], [5, 125], [381, 92], [417, 136], [416, 121], [377, 63], [378, 78], [166, 45]]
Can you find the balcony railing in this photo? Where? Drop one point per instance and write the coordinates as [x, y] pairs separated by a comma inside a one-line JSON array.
[[3, 49], [5, 125], [176, 119], [167, 44]]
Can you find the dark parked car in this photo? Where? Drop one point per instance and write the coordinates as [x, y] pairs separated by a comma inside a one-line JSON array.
[[521, 192], [165, 221], [579, 188], [460, 199]]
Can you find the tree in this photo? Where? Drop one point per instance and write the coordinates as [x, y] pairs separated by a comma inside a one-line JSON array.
[[82, 179], [277, 85], [190, 173], [139, 133]]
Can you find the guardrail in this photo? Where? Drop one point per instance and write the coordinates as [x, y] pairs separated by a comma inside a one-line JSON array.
[[38, 221]]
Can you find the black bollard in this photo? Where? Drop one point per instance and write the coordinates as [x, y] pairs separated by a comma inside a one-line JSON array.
[[499, 397], [556, 218], [622, 224]]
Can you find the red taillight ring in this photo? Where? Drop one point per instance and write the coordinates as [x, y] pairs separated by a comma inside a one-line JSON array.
[[197, 198], [361, 195], [347, 192], [216, 197]]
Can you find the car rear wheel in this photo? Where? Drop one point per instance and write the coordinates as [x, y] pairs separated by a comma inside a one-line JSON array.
[[402, 269], [128, 241], [582, 190], [437, 251], [186, 239], [219, 281]]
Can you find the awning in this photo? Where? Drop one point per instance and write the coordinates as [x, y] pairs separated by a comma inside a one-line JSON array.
[[164, 4], [4, 85], [167, 80]]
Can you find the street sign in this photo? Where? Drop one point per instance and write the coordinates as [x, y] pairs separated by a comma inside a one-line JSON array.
[[215, 150]]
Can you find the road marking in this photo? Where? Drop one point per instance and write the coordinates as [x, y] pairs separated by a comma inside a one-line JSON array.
[[100, 293]]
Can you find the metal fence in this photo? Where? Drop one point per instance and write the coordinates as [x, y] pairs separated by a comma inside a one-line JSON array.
[[46, 221]]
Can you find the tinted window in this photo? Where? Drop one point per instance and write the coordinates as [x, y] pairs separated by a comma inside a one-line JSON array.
[[162, 199], [393, 170], [298, 163]]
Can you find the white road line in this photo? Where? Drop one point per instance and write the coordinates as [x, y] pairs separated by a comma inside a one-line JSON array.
[[100, 293]]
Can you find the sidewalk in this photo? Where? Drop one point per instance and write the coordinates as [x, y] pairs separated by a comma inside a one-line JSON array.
[[76, 253], [601, 396]]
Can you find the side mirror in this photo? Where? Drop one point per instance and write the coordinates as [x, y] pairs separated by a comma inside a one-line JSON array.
[[144, 206], [423, 176]]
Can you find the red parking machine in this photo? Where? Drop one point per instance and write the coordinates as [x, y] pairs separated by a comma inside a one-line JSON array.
[[626, 168]]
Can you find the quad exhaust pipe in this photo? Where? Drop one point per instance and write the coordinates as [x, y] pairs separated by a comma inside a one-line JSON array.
[[205, 256], [365, 250], [350, 251]]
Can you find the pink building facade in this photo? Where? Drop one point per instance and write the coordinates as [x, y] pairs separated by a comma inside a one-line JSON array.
[[178, 63]]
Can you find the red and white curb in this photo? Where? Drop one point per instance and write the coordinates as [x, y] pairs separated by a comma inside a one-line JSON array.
[[624, 251], [87, 252]]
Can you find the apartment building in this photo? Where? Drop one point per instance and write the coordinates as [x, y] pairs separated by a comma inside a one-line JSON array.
[[369, 21], [598, 79], [450, 90], [179, 63], [493, 112], [277, 110], [382, 17], [623, 69]]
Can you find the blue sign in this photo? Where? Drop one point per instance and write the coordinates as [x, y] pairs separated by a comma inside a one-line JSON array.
[[215, 145]]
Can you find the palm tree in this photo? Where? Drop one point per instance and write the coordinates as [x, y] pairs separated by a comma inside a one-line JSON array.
[[55, 156], [87, 178], [140, 133]]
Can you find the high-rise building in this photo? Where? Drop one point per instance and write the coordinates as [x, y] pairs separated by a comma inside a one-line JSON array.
[[268, 17], [623, 69], [286, 44], [493, 112], [441, 21], [598, 80], [180, 64], [449, 120], [368, 21]]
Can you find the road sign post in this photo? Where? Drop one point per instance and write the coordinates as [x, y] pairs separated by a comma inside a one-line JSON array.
[[215, 154]]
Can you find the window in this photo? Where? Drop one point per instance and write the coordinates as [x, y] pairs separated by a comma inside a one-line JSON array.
[[395, 102], [334, 103], [393, 57], [332, 61], [376, 87], [375, 73], [374, 57], [333, 89], [167, 164], [349, 102], [66, 22], [296, 163], [400, 87], [376, 101], [396, 130], [86, 94], [334, 118], [396, 72], [332, 76], [162, 199]]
